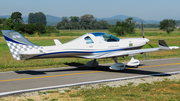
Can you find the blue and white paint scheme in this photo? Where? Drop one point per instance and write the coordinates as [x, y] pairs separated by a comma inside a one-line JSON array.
[[94, 45]]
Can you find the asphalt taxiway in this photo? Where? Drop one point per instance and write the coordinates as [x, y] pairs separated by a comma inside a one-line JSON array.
[[23, 81]]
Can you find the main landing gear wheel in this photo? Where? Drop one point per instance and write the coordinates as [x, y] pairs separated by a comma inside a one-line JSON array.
[[92, 63], [117, 66]]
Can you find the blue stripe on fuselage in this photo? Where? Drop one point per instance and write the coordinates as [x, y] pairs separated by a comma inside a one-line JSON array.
[[130, 48]]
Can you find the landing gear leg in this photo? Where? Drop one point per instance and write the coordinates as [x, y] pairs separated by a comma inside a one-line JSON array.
[[115, 59], [92, 63]]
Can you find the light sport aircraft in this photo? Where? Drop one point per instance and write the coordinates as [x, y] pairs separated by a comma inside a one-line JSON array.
[[94, 46]]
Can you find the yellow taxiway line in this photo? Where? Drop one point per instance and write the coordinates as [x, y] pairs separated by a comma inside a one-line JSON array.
[[49, 76], [82, 73]]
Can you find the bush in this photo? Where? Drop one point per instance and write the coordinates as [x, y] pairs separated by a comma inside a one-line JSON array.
[[29, 28], [50, 29], [40, 28]]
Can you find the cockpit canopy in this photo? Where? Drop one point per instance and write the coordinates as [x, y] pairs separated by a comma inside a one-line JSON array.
[[95, 37], [106, 37]]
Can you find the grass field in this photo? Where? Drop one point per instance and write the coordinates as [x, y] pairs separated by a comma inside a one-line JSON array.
[[165, 90], [7, 63]]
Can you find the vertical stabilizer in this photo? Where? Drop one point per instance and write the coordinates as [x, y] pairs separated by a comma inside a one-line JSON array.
[[17, 43], [163, 45]]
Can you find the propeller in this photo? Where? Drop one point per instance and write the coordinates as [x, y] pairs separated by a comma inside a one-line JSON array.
[[144, 37]]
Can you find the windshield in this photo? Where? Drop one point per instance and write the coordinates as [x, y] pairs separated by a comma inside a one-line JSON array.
[[107, 37]]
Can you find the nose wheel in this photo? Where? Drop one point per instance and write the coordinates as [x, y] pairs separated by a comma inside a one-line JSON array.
[[133, 62]]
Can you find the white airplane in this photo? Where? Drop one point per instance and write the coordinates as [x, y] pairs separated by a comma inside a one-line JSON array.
[[94, 46]]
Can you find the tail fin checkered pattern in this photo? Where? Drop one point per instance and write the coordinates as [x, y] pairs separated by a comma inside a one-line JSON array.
[[17, 43]]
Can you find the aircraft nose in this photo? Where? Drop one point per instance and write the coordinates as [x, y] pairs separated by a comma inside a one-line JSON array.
[[146, 40]]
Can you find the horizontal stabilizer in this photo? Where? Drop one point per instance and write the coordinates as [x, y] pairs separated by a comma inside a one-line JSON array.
[[57, 42]]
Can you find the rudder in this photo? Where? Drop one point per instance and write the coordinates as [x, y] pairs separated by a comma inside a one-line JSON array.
[[18, 43]]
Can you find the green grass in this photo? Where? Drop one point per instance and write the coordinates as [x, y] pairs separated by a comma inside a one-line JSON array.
[[165, 90], [7, 63], [157, 91]]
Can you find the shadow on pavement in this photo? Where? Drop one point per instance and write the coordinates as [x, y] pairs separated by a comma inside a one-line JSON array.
[[81, 67]]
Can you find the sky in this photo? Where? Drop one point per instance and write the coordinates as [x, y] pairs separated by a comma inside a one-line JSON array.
[[144, 9]]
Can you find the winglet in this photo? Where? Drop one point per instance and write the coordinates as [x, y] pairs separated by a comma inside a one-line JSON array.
[[164, 46], [57, 42]]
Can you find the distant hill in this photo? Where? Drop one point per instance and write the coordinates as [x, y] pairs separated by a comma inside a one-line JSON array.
[[122, 17], [4, 16], [114, 19], [53, 20], [152, 22]]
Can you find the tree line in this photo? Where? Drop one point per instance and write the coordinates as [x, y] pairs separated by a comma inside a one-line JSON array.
[[37, 23], [86, 21]]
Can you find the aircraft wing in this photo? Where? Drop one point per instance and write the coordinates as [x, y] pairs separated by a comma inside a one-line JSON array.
[[162, 47]]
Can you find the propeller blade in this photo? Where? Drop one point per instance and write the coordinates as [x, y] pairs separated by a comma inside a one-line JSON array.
[[145, 53], [143, 37], [150, 45], [142, 29]]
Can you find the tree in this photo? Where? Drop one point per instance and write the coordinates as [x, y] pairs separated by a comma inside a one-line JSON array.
[[74, 22], [103, 24], [29, 28], [31, 18], [64, 24], [130, 25], [8, 25], [16, 17], [74, 19], [2, 20], [87, 21], [117, 29], [167, 25], [18, 27], [123, 27], [37, 17], [51, 29], [40, 27]]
